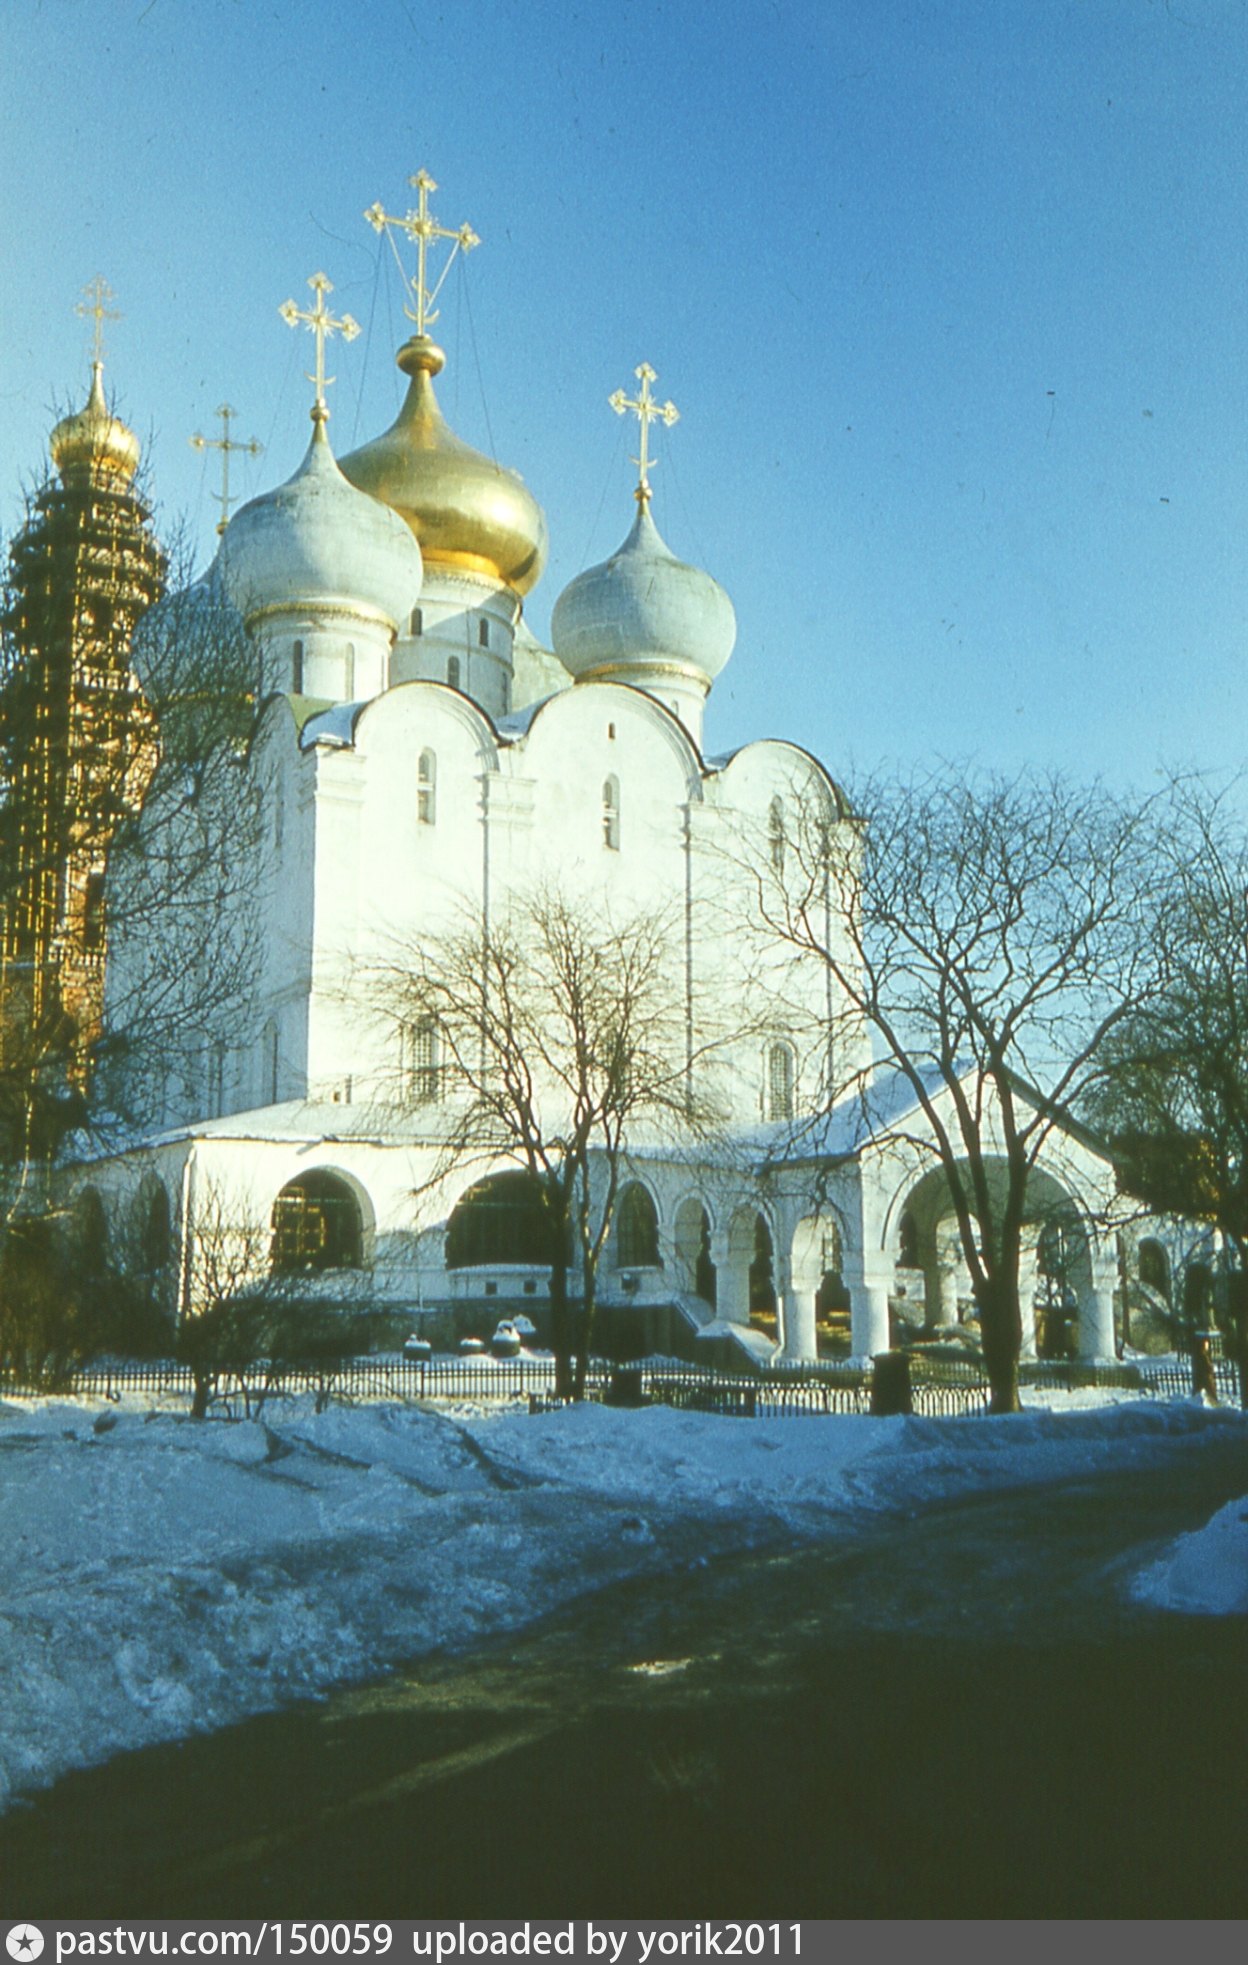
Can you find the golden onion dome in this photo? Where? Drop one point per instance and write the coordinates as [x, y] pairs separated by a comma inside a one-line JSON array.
[[466, 511], [93, 438]]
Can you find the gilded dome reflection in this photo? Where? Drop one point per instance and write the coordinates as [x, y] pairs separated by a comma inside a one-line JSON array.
[[94, 438], [465, 510]]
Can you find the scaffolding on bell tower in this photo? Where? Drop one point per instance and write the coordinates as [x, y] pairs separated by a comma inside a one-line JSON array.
[[77, 753]]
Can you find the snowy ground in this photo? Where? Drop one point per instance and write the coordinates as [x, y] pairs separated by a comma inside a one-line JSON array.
[[165, 1577]]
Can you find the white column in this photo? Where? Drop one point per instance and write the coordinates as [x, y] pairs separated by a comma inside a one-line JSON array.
[[868, 1310], [1028, 1277], [1096, 1324], [797, 1319], [940, 1295], [732, 1282], [1096, 1309]]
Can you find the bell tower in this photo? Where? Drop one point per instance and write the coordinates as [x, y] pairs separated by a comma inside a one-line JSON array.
[[77, 752]]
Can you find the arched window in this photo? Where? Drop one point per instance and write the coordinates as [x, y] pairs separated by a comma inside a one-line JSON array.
[[779, 1102], [427, 789], [611, 814], [422, 1062], [316, 1225], [1154, 1268], [90, 1233], [483, 632], [152, 1229], [762, 1273], [502, 1219], [418, 621], [832, 1297], [907, 1243], [453, 671], [297, 669], [704, 1277], [775, 835], [636, 1230], [1197, 1293]]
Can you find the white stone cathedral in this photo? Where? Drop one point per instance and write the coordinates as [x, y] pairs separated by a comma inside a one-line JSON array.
[[419, 758]]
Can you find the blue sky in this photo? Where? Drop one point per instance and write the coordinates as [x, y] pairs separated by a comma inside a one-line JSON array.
[[951, 295]]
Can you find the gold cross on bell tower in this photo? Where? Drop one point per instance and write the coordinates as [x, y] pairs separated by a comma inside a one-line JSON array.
[[422, 227], [647, 411], [225, 444], [98, 293], [323, 324]]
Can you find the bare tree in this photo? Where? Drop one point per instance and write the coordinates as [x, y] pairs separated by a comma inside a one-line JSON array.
[[129, 871], [559, 1039], [248, 1318], [186, 879], [1174, 1094], [987, 930]]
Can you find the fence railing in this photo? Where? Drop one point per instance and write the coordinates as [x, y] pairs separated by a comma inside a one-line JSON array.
[[939, 1388]]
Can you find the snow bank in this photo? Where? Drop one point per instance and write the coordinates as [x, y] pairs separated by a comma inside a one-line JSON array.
[[165, 1577], [1206, 1572]]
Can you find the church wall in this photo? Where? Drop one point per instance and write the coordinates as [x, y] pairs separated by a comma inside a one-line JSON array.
[[749, 881], [399, 855], [278, 1048], [582, 740]]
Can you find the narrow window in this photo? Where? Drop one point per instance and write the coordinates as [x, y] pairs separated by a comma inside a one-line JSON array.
[[483, 632], [611, 814], [637, 1230], [779, 1082], [775, 834], [453, 671], [349, 673], [297, 681], [611, 733], [427, 789], [418, 621], [422, 1064]]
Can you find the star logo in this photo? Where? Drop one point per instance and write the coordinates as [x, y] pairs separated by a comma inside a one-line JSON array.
[[24, 1942]]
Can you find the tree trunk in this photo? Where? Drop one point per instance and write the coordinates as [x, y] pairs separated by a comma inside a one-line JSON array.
[[1237, 1304], [561, 1331], [1001, 1333], [585, 1327]]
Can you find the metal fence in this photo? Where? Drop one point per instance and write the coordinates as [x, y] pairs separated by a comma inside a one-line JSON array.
[[939, 1388]]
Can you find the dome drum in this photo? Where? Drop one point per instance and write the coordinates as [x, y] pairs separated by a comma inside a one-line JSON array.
[[462, 633]]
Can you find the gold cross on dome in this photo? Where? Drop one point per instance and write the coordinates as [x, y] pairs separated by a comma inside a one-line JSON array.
[[98, 293], [225, 444], [323, 324], [422, 227], [647, 411]]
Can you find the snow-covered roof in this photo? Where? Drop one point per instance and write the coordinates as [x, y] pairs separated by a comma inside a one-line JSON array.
[[878, 1109], [336, 725], [869, 1113]]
